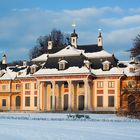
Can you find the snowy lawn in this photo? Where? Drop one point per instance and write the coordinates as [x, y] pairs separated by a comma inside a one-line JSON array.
[[51, 126]]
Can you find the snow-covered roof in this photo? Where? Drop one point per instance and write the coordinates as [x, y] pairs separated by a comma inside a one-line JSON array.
[[25, 75], [106, 62], [63, 61], [34, 65], [68, 51], [130, 69], [41, 58], [8, 75], [112, 71], [70, 70], [86, 62], [100, 54]]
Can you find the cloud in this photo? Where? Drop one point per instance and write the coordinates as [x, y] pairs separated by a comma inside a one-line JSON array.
[[21, 27], [134, 10], [127, 20], [121, 36]]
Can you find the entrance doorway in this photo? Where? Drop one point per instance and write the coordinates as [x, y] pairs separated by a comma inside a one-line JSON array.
[[66, 102], [18, 102], [81, 102]]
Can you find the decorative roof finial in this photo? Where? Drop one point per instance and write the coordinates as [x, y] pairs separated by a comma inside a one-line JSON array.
[[100, 35], [73, 25], [74, 34]]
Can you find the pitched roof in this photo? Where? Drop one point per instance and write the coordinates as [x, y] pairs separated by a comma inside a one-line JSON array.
[[90, 48], [67, 51], [9, 75], [99, 54], [70, 70], [52, 62], [40, 58], [112, 71]]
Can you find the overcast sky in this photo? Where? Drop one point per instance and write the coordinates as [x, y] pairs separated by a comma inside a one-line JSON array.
[[23, 21]]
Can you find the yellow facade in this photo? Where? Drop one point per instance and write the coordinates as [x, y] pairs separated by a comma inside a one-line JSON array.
[[8, 93], [62, 93]]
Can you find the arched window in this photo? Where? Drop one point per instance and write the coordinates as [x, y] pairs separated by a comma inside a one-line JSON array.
[[131, 103]]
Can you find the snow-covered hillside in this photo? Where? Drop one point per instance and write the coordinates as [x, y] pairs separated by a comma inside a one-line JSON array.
[[52, 126]]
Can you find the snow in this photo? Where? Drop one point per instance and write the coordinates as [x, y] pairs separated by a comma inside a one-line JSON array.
[[112, 71], [59, 127], [100, 54], [68, 51], [63, 61], [106, 62], [41, 58], [70, 70], [34, 65], [127, 70], [8, 75]]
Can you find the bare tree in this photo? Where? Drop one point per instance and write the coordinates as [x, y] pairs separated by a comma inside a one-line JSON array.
[[58, 38], [135, 50]]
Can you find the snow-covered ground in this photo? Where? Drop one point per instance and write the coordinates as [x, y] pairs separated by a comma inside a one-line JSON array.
[[52, 126]]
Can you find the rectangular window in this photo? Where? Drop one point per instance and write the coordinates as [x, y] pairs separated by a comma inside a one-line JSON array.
[[111, 101], [81, 84], [27, 86], [99, 84], [111, 84], [27, 101], [132, 70], [3, 87], [99, 101], [35, 101], [17, 86], [61, 66], [3, 102], [35, 85], [106, 67]]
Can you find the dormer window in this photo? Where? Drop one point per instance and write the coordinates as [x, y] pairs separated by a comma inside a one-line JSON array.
[[87, 63], [50, 45], [33, 68], [62, 64], [132, 70], [106, 65]]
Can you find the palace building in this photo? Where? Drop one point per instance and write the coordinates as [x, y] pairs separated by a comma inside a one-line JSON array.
[[76, 78]]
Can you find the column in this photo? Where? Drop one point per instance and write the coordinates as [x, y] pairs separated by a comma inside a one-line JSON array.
[[59, 96], [86, 95], [70, 95], [38, 95], [53, 95], [90, 96], [9, 104], [75, 95], [45, 95]]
